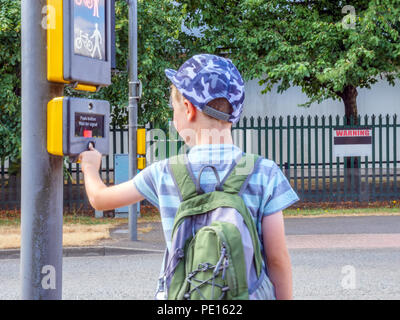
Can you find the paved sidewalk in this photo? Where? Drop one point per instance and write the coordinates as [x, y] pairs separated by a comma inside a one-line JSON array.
[[301, 233], [152, 240], [361, 232], [119, 244]]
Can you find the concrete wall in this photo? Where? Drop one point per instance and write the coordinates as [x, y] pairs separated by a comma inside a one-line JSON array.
[[380, 99]]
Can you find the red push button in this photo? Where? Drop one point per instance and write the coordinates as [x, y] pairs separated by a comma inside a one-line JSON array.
[[87, 133]]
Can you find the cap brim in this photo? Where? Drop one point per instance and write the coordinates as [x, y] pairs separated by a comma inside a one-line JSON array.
[[170, 73]]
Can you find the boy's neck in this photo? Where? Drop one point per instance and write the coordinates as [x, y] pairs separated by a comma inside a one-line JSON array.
[[214, 136]]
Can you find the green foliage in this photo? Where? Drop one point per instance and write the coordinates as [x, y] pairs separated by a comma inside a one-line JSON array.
[[10, 80], [161, 45], [303, 43]]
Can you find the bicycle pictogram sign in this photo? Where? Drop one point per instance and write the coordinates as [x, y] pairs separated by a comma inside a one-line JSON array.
[[89, 28]]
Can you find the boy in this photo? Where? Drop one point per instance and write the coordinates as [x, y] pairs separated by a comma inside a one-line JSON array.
[[207, 95]]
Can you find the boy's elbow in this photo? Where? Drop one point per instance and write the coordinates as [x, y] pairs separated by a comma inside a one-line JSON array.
[[279, 259], [96, 203], [96, 197]]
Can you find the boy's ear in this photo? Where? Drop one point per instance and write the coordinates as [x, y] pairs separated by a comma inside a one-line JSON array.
[[190, 110]]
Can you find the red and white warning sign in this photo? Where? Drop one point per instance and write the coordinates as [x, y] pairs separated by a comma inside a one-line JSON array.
[[352, 142]]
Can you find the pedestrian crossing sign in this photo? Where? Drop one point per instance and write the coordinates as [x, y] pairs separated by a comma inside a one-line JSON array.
[[79, 43]]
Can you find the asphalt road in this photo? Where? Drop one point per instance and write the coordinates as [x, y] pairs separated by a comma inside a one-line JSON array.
[[317, 274]]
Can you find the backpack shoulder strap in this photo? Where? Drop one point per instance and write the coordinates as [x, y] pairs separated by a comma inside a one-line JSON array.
[[236, 181], [182, 176]]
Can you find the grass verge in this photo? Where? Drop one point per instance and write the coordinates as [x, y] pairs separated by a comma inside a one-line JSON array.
[[73, 235], [77, 230], [331, 212]]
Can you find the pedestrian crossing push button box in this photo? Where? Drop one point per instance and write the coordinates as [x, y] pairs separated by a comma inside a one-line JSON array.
[[74, 123], [79, 43]]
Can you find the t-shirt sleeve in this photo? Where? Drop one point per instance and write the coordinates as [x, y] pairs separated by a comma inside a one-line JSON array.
[[145, 183], [278, 194]]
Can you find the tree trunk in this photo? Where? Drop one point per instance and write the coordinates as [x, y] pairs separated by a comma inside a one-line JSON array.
[[352, 175], [349, 96]]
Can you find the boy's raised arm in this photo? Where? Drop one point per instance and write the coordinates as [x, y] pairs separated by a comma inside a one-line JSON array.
[[100, 196]]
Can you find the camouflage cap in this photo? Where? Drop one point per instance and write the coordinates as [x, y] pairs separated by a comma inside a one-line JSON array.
[[206, 77]]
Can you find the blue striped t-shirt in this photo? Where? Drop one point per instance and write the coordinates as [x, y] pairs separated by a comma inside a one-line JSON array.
[[267, 192]]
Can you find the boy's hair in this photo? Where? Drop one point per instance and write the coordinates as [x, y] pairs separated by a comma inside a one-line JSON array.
[[220, 104]]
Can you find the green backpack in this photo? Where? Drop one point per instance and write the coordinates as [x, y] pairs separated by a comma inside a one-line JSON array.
[[215, 251]]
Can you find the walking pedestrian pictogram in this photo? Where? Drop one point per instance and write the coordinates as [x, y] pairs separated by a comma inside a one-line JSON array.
[[79, 47], [98, 41]]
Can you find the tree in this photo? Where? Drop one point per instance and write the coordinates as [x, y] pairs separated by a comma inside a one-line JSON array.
[[310, 44], [162, 45], [326, 47]]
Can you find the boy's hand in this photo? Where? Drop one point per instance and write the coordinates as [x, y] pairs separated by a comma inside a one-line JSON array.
[[100, 196], [90, 159]]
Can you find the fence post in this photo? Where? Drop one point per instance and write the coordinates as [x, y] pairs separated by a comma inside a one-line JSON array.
[[380, 157], [394, 153], [316, 158], [373, 159], [288, 144], [366, 193], [309, 157], [2, 182], [387, 124], [244, 134], [280, 142], [338, 183], [286, 170], [295, 152], [323, 159], [266, 120], [259, 135], [330, 159], [273, 139], [302, 154]]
